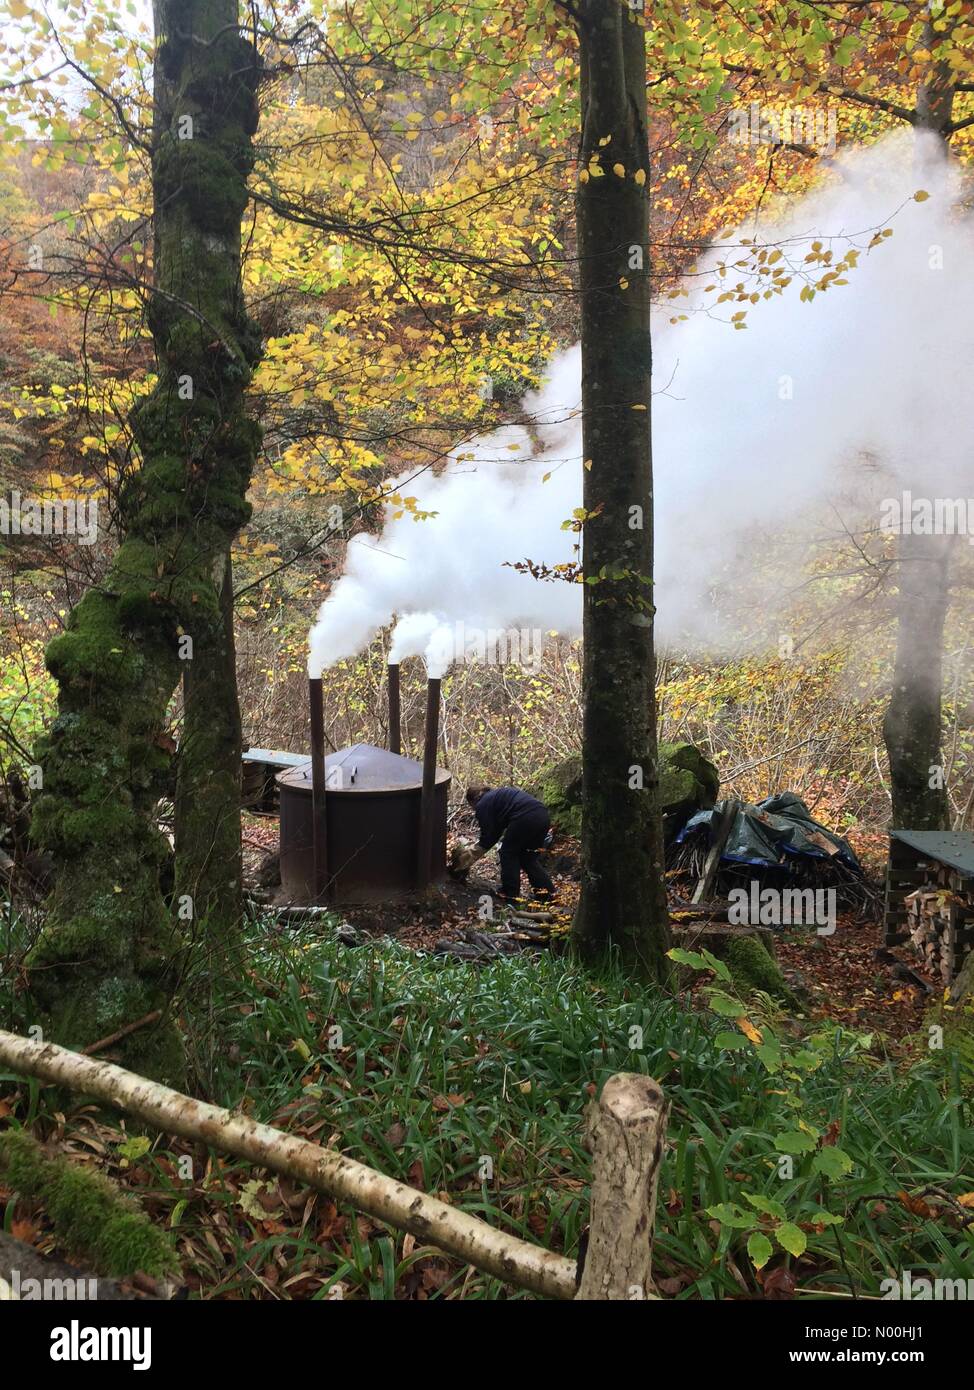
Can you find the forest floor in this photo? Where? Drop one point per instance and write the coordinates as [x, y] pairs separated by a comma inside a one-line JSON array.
[[847, 976], [441, 1062]]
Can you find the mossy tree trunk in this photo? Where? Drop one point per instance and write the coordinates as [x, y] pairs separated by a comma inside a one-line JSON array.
[[623, 903], [208, 849], [106, 954]]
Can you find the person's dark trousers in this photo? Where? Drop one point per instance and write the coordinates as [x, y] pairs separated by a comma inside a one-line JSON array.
[[520, 851]]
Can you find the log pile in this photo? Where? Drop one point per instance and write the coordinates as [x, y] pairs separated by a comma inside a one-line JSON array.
[[940, 920]]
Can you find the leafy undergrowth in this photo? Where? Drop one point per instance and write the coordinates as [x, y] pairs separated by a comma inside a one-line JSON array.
[[471, 1083]]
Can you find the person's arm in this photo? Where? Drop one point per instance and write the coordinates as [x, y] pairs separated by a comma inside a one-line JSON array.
[[488, 820]]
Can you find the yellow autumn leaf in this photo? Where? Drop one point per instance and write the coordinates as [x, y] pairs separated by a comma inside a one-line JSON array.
[[749, 1030]]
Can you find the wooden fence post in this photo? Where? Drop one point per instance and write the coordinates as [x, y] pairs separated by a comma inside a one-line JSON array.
[[626, 1129]]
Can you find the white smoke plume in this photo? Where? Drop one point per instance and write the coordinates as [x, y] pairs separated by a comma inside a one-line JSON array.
[[753, 431], [491, 506]]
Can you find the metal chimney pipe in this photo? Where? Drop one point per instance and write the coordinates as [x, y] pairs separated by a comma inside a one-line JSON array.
[[426, 807], [319, 832], [395, 712]]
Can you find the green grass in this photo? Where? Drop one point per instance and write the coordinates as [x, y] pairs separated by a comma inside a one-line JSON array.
[[525, 1039], [440, 1065]]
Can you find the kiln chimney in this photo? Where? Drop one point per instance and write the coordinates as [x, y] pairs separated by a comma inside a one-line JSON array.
[[319, 821], [426, 807]]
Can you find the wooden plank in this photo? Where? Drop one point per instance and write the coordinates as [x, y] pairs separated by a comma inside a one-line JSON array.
[[712, 861], [274, 757]]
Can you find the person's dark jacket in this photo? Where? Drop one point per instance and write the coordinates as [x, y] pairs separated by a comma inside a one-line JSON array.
[[505, 807]]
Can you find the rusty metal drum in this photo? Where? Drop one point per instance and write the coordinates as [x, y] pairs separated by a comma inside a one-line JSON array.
[[372, 809]]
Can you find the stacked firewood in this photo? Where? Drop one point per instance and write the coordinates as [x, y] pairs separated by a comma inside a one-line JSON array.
[[940, 920]]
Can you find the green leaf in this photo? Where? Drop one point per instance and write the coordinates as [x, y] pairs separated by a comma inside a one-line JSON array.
[[832, 1163], [717, 966], [723, 1004], [770, 1053], [732, 1042], [766, 1204], [692, 958], [824, 1218], [793, 1141], [135, 1147], [790, 1238], [805, 1060], [730, 1214], [845, 50], [759, 1248]]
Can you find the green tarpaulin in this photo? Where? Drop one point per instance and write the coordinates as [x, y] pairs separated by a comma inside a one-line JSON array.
[[776, 830]]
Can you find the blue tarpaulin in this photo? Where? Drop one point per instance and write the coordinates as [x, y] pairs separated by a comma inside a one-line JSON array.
[[775, 831]]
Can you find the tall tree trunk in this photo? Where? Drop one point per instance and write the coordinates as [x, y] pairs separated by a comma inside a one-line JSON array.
[[913, 723], [623, 902], [106, 953], [912, 728], [208, 852]]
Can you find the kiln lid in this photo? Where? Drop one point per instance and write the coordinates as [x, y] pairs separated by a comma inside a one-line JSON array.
[[362, 768]]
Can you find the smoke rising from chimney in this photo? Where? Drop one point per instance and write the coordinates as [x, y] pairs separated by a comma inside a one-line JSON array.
[[753, 432]]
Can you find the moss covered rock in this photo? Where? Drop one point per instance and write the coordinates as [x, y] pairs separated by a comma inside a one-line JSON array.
[[559, 786], [754, 968], [92, 1218], [688, 783]]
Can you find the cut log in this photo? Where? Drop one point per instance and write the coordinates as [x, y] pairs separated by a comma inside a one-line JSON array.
[[717, 937], [626, 1131], [627, 1127]]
